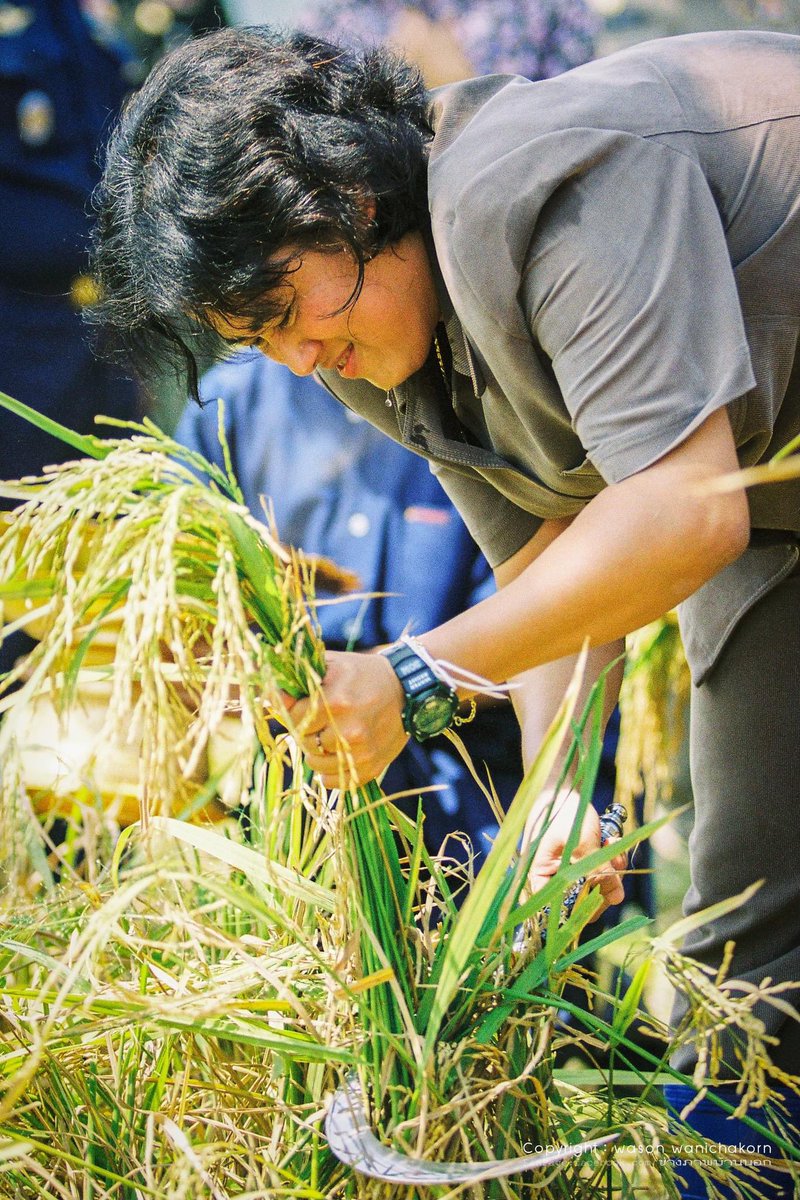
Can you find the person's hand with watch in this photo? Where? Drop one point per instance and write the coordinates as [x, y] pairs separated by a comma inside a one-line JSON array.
[[370, 704]]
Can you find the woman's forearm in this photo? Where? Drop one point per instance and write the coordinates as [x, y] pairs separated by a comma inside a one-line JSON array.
[[636, 550]]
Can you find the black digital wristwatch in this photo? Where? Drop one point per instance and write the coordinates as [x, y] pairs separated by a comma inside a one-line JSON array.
[[430, 704]]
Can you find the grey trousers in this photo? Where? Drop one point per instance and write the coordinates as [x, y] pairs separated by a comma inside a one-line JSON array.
[[745, 761]]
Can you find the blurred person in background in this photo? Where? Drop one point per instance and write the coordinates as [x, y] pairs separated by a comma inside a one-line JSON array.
[[63, 75], [451, 40]]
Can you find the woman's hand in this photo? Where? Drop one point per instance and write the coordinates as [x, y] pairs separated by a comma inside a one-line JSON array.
[[353, 729], [551, 847]]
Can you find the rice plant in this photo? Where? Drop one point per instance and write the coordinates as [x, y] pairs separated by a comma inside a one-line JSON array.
[[654, 702], [179, 1025]]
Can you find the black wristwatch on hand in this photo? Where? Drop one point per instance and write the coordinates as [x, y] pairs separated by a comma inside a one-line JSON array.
[[430, 704]]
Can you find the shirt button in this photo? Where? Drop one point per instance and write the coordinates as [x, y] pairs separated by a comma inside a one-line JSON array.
[[358, 525]]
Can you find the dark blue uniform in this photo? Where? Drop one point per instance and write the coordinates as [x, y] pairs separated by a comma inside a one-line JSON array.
[[340, 488], [62, 79]]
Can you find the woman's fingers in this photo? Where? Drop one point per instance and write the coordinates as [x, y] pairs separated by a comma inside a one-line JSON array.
[[608, 879], [307, 714], [552, 822], [353, 728]]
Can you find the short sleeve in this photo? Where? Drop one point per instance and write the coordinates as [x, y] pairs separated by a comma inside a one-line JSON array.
[[630, 293], [498, 526]]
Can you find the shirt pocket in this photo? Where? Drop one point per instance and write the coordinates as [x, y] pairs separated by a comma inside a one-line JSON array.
[[708, 617]]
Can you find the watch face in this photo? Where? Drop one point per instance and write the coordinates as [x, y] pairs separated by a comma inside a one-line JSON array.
[[433, 715]]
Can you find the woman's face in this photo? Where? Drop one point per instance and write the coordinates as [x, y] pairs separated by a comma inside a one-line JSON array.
[[384, 337]]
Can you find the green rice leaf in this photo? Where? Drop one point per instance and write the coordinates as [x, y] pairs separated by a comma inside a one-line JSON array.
[[593, 1077], [629, 1005], [38, 956], [249, 862], [606, 938], [91, 447], [678, 931], [468, 923], [296, 1046], [788, 449], [587, 906]]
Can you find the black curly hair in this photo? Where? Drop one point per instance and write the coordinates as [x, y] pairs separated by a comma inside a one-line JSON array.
[[241, 147]]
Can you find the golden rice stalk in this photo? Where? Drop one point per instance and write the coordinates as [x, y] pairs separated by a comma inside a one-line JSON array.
[[653, 704], [189, 580], [723, 1023]]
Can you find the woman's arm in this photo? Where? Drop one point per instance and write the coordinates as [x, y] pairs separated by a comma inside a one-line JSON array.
[[635, 551], [536, 700], [540, 691]]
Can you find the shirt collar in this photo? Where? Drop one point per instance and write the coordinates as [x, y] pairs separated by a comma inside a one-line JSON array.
[[463, 357]]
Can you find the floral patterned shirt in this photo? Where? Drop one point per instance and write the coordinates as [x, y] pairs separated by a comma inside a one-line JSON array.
[[535, 38]]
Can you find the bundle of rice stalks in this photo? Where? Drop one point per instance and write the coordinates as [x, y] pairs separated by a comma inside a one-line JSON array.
[[209, 611], [168, 1034], [180, 1030]]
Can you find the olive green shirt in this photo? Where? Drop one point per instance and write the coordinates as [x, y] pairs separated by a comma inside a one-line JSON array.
[[618, 252]]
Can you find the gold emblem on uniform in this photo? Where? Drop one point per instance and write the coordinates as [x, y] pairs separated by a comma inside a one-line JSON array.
[[84, 291], [36, 118], [14, 18], [154, 18]]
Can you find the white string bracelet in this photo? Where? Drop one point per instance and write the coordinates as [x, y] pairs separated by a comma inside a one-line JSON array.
[[456, 677]]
